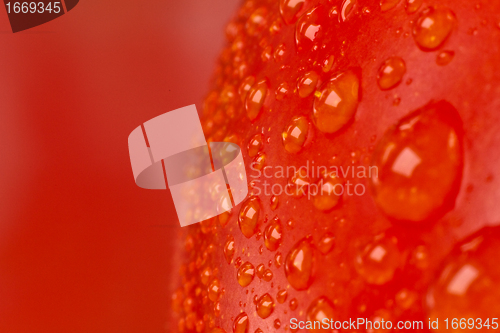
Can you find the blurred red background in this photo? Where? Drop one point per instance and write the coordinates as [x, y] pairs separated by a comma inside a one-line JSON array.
[[82, 248]]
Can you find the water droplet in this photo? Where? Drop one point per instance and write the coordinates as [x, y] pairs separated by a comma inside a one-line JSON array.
[[299, 265], [433, 27], [277, 323], [205, 275], [336, 102], [413, 5], [245, 274], [295, 134], [327, 192], [325, 244], [419, 164], [396, 101], [294, 304], [377, 261], [406, 298], [386, 5], [444, 57], [328, 64], [265, 306], [249, 217], [273, 235], [420, 257], [278, 260], [257, 22], [290, 224], [245, 86], [259, 161], [307, 84], [307, 29], [391, 73], [241, 323], [276, 26], [224, 218], [321, 308], [267, 275], [266, 53], [290, 9], [279, 53], [238, 262], [274, 202], [298, 184], [255, 99], [214, 290], [260, 270], [469, 284], [282, 296], [346, 9], [255, 144], [282, 91]]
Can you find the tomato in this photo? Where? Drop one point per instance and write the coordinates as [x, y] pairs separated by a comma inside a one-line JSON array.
[[370, 135]]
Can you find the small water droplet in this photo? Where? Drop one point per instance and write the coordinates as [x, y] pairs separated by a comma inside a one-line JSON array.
[[238, 262], [325, 244], [267, 275], [205, 275], [249, 217], [298, 183], [257, 22], [255, 99], [266, 53], [307, 29], [391, 73], [299, 265], [444, 57], [273, 235], [260, 270], [282, 91], [328, 64], [245, 86], [295, 134], [245, 274], [413, 5], [277, 323], [307, 84], [419, 164], [259, 161], [346, 8], [293, 304], [279, 53], [336, 102], [274, 202], [282, 296], [327, 192], [433, 27], [321, 308], [255, 144], [241, 323], [265, 306], [214, 290], [278, 260], [377, 261], [386, 5], [290, 224], [290, 9]]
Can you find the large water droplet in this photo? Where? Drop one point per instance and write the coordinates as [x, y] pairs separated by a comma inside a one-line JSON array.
[[299, 265], [469, 283], [377, 261], [391, 73], [245, 274], [433, 27], [308, 29], [241, 323], [249, 217], [419, 164], [336, 102], [265, 306], [321, 308], [307, 83], [255, 99], [255, 144], [273, 235], [295, 134], [290, 9]]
